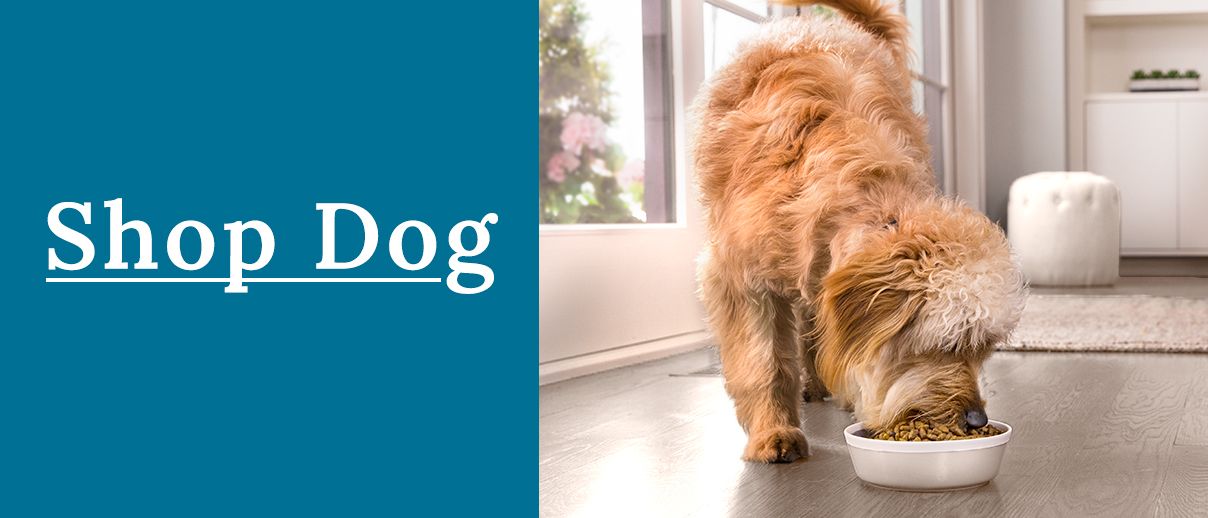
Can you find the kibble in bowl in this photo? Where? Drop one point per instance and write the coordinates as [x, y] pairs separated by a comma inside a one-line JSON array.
[[929, 460], [926, 431]]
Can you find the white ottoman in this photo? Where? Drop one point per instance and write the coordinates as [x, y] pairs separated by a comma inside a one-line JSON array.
[[1065, 228]]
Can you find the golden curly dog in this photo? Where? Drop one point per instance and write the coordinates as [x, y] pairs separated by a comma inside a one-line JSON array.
[[833, 263]]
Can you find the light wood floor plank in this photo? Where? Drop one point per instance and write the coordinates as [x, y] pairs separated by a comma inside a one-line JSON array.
[[1185, 488], [1193, 430]]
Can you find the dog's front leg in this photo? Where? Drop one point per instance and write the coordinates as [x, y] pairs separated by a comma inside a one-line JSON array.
[[757, 341]]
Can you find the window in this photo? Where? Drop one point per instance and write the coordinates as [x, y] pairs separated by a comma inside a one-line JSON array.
[[927, 38], [725, 27], [729, 22], [604, 112]]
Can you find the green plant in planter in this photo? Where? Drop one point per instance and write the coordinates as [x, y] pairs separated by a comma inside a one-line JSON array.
[[1156, 74], [1172, 73], [1192, 74], [1138, 75]]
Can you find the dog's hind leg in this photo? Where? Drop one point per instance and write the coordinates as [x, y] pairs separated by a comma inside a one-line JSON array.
[[757, 340], [813, 388]]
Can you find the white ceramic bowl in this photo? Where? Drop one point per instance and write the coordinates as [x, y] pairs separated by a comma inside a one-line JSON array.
[[927, 465]]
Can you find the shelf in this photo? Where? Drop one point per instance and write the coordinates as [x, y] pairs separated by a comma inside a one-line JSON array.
[[1163, 252], [1146, 96], [1121, 8]]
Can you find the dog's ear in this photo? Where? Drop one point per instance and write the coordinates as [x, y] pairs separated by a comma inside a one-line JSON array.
[[973, 290], [861, 306], [967, 310]]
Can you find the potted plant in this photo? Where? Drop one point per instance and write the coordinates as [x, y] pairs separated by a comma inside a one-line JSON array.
[[1158, 81]]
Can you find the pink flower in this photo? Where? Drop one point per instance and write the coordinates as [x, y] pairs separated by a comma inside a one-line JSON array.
[[633, 173], [559, 165], [580, 130]]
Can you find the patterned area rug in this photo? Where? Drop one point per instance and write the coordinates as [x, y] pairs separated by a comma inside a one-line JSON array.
[[1112, 323]]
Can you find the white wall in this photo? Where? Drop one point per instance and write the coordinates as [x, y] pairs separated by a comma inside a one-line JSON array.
[[603, 290], [1024, 46]]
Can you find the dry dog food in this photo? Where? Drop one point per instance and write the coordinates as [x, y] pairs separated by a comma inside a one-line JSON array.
[[924, 431]]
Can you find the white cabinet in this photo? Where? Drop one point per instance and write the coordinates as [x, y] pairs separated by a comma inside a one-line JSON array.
[[1155, 148], [1134, 145], [1193, 174]]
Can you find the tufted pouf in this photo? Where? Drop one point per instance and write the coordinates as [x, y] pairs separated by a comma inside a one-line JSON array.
[[1065, 228]]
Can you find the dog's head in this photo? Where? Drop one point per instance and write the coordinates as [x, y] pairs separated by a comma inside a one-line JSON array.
[[913, 303]]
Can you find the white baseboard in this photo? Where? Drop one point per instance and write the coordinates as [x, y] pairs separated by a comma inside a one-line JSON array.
[[559, 370]]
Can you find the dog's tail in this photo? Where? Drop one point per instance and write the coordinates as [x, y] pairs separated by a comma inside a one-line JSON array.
[[883, 20]]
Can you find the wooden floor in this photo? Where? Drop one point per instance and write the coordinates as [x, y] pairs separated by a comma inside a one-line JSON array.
[[1111, 434]]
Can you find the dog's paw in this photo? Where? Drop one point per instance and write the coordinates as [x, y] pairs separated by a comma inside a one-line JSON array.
[[814, 391], [777, 445]]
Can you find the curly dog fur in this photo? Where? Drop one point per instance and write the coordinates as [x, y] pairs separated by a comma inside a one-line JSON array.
[[833, 263]]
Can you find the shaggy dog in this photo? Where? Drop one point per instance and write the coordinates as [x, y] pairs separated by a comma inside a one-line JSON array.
[[833, 263]]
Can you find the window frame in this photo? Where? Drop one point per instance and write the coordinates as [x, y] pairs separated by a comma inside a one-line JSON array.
[[739, 10], [934, 74]]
